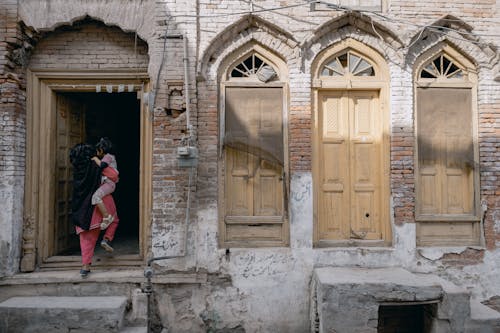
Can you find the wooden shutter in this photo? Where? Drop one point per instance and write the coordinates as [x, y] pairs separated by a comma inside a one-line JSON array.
[[70, 131], [445, 188], [253, 145], [445, 151]]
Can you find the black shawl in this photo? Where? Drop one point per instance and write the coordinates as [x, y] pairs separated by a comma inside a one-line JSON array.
[[86, 179]]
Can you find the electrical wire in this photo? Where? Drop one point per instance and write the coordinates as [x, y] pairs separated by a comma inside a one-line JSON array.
[[246, 12], [434, 28]]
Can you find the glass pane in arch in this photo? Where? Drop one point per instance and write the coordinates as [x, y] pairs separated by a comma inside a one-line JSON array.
[[441, 67], [348, 62], [253, 66]]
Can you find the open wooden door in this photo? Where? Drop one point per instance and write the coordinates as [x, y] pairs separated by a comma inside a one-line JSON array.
[[70, 130]]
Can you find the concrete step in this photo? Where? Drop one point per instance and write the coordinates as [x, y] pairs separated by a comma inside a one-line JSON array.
[[483, 319], [134, 329], [55, 314]]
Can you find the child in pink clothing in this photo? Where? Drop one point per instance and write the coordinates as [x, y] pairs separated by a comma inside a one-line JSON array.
[[104, 159]]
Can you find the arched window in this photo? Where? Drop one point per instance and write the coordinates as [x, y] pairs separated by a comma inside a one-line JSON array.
[[253, 67], [348, 63], [252, 126], [441, 67], [446, 164]]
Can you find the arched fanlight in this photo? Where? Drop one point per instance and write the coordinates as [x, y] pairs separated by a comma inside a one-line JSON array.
[[348, 62], [253, 66], [441, 67]]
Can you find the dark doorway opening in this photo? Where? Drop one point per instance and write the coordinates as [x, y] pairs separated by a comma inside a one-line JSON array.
[[406, 318], [116, 116]]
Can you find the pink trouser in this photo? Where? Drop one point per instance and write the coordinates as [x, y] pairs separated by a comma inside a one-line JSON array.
[[106, 188], [88, 239]]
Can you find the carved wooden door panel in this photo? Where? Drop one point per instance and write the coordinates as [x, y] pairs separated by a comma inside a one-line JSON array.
[[350, 165], [70, 130]]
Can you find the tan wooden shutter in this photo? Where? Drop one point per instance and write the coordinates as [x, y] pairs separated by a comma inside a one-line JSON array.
[[253, 143], [70, 131], [446, 157]]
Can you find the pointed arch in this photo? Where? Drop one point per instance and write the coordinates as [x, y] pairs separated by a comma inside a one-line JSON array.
[[455, 32], [249, 28], [447, 51], [249, 49], [365, 23], [360, 50]]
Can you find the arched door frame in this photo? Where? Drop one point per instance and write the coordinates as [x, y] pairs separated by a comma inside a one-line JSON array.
[[379, 83], [468, 81], [226, 82]]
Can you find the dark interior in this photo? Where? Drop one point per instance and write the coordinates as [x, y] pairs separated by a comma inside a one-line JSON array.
[[406, 318], [117, 116]]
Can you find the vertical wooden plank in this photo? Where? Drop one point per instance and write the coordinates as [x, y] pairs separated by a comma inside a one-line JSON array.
[[366, 165], [334, 191], [70, 118]]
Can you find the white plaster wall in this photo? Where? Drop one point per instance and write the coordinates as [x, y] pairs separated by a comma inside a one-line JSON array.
[[11, 217]]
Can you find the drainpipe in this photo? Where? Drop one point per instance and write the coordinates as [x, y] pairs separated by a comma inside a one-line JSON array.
[[148, 271], [186, 84]]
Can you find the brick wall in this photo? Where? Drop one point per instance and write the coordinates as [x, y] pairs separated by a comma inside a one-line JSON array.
[[89, 45], [215, 35]]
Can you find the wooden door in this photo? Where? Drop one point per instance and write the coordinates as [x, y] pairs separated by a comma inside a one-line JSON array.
[[350, 166], [70, 127]]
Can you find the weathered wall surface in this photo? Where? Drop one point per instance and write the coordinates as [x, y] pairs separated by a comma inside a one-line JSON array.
[[265, 290], [12, 141]]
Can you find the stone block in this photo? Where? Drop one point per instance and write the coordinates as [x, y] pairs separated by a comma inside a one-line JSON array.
[[62, 314], [348, 299]]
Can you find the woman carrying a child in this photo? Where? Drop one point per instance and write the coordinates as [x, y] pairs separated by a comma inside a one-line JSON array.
[[88, 218]]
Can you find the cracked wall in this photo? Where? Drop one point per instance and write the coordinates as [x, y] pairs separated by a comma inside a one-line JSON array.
[[267, 289]]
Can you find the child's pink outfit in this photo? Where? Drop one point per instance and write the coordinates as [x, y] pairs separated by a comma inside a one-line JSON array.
[[88, 238], [107, 185]]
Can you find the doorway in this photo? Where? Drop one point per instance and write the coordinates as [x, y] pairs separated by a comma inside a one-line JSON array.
[[350, 165], [88, 117], [63, 108]]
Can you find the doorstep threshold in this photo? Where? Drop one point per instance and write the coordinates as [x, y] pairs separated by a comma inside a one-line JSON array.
[[102, 276]]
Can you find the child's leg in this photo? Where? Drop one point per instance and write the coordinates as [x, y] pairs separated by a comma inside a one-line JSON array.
[[103, 190]]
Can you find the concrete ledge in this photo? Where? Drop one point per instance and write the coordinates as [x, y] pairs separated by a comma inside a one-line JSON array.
[[114, 276], [348, 299], [481, 312], [62, 314], [384, 284], [483, 319]]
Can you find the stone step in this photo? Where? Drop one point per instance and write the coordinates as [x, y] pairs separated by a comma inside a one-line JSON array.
[[58, 314], [134, 329], [483, 319]]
